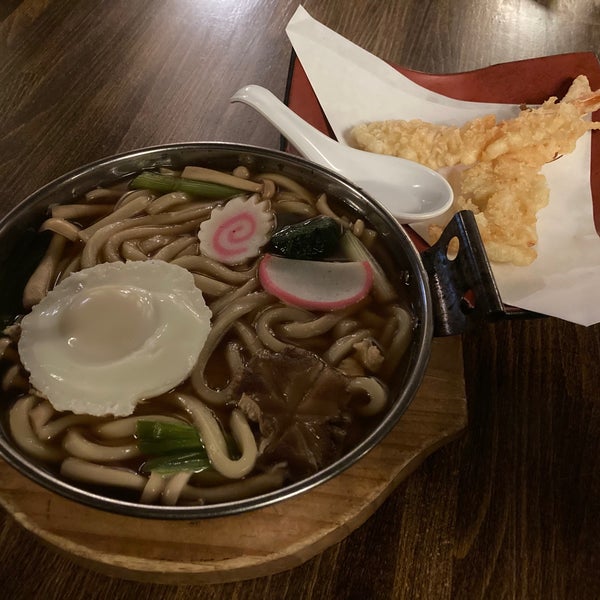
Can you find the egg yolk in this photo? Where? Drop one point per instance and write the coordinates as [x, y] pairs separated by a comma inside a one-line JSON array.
[[108, 323]]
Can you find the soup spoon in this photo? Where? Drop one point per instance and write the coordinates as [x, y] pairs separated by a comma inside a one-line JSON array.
[[410, 191]]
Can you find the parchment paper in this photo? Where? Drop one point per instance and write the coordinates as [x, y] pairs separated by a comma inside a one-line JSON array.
[[354, 86]]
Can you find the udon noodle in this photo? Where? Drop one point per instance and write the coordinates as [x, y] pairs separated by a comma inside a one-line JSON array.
[[259, 353]]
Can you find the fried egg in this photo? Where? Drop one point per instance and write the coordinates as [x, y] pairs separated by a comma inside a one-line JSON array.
[[111, 335]]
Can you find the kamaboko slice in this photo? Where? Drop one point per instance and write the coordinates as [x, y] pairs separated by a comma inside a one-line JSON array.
[[315, 285], [237, 230]]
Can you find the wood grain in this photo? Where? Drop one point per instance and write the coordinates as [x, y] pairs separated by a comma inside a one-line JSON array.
[[512, 509]]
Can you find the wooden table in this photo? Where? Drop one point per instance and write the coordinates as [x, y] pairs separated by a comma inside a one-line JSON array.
[[512, 509]]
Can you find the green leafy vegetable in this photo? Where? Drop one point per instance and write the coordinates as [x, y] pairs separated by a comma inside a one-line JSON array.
[[190, 460], [156, 437], [309, 240], [174, 447], [169, 183]]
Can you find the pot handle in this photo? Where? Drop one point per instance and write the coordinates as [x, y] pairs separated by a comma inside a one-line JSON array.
[[463, 287]]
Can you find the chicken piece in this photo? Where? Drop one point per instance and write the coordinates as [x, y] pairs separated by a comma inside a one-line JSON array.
[[368, 353]]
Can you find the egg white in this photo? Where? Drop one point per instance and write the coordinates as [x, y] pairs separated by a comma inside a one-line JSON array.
[[111, 335]]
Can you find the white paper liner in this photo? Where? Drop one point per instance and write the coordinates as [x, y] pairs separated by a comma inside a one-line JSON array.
[[354, 86]]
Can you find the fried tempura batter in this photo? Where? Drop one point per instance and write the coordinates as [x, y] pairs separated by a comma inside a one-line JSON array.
[[502, 184]]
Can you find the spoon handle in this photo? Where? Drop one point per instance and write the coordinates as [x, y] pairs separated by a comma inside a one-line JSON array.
[[309, 142]]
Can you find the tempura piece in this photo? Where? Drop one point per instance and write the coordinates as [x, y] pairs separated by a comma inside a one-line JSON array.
[[502, 184], [435, 146], [505, 196]]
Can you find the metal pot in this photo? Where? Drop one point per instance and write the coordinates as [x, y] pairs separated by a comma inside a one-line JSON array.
[[437, 287]]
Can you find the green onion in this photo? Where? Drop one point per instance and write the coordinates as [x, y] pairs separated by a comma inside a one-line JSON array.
[[168, 183], [173, 447], [155, 438], [356, 250], [194, 461]]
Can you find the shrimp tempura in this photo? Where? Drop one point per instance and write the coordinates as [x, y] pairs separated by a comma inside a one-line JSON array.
[[502, 184]]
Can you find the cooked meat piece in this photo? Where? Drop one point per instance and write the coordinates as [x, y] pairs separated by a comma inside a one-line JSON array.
[[369, 354], [299, 403]]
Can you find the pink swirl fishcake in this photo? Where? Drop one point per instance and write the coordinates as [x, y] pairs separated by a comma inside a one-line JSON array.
[[237, 230]]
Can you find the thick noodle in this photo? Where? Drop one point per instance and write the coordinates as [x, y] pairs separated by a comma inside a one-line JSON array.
[[364, 344]]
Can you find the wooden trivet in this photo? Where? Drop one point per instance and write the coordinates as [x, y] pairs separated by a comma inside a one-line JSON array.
[[260, 542]]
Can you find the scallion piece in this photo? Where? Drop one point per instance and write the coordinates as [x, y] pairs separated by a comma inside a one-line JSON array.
[[169, 183], [173, 447], [155, 438], [194, 461], [354, 249]]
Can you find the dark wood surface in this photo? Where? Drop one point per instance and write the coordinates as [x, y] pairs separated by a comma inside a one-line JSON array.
[[512, 509]]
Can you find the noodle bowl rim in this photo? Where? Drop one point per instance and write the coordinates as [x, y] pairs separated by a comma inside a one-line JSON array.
[[119, 166]]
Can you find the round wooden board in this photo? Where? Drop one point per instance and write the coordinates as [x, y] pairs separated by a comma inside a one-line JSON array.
[[261, 542]]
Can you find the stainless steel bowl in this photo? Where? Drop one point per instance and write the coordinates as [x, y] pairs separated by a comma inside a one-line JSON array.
[[18, 226]]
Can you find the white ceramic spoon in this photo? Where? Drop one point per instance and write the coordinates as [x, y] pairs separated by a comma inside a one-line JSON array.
[[410, 191]]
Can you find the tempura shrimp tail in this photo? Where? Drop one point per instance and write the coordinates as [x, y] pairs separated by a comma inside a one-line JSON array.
[[582, 96]]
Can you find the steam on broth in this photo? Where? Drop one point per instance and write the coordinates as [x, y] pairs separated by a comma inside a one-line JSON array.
[[305, 334]]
